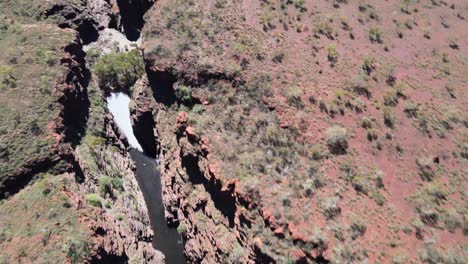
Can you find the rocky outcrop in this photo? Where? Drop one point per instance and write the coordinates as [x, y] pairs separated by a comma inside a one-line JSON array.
[[213, 210], [124, 233], [142, 117], [87, 17]]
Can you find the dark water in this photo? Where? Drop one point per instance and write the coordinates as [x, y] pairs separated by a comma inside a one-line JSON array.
[[166, 239]]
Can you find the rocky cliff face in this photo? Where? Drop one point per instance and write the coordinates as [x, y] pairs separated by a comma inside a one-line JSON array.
[[71, 179], [209, 209]]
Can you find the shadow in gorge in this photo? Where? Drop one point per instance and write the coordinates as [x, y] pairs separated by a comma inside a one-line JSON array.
[[223, 200], [75, 101], [131, 13], [167, 240], [143, 130], [162, 85]]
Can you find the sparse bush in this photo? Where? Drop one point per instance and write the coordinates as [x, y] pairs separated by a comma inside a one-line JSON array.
[[375, 35], [368, 64], [94, 200], [430, 255], [323, 27], [299, 4], [426, 168], [319, 240], [358, 228], [389, 118], [366, 122], [360, 85], [453, 44], [411, 109], [330, 207], [76, 250], [464, 151], [372, 134], [379, 198], [337, 139], [332, 54], [452, 221], [390, 98], [293, 97], [418, 226], [278, 56]]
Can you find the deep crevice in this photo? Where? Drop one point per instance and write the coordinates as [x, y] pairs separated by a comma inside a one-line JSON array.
[[75, 99], [132, 18], [103, 257], [224, 201], [143, 129], [16, 183], [162, 84]]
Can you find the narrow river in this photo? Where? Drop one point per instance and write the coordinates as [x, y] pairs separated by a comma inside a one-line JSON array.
[[166, 239]]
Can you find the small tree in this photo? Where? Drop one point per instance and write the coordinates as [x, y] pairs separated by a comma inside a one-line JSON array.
[[119, 71]]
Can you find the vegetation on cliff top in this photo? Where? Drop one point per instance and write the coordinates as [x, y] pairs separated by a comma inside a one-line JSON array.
[[119, 71], [27, 102], [272, 84]]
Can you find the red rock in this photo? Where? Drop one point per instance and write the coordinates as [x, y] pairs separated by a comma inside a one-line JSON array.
[[258, 242], [190, 132], [296, 234], [181, 121], [298, 256], [182, 117], [279, 232], [205, 144]]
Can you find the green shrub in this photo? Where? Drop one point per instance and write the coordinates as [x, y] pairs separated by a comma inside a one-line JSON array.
[[182, 229], [389, 117], [426, 168], [299, 4], [358, 228], [431, 255], [76, 250], [411, 109], [293, 97], [375, 35], [184, 93], [379, 198], [117, 183], [330, 207], [197, 109], [119, 71], [366, 122], [464, 151], [452, 221], [372, 134], [368, 64], [390, 98], [94, 200], [278, 56], [332, 53], [337, 139], [105, 185], [94, 141]]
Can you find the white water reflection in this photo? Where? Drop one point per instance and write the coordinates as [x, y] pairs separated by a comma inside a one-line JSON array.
[[118, 106]]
